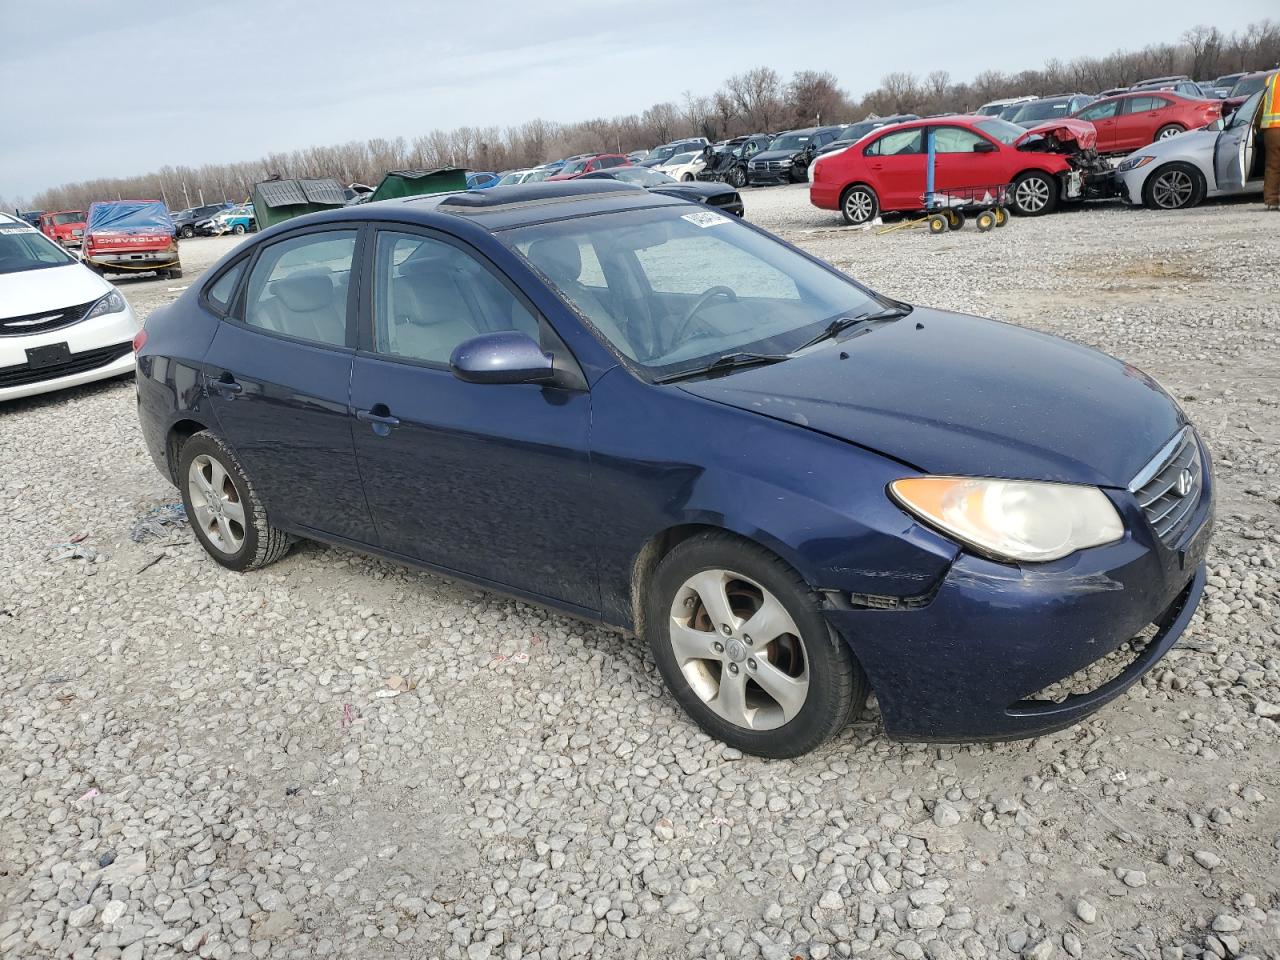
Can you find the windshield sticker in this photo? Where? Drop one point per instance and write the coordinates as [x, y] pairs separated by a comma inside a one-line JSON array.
[[5, 230], [705, 219]]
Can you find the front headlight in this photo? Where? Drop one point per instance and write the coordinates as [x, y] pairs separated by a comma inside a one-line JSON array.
[[1013, 519], [1133, 163], [113, 302], [788, 162]]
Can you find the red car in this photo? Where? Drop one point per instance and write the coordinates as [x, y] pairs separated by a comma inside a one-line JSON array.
[[886, 171], [63, 226], [601, 161], [1133, 120]]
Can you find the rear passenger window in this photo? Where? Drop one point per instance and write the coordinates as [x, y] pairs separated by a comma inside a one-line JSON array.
[[1143, 104], [298, 287], [221, 290], [430, 296], [897, 143]]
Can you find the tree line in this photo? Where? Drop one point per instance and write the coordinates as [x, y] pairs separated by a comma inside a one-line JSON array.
[[755, 101]]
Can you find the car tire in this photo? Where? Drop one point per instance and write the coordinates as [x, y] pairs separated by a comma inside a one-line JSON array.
[[224, 511], [187, 233], [737, 178], [1033, 194], [238, 229], [1174, 186], [813, 672], [1169, 130], [859, 205], [687, 178]]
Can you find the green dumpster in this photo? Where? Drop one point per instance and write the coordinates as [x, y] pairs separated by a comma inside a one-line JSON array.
[[275, 201], [415, 183]]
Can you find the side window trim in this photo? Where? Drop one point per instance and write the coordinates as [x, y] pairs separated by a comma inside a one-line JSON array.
[[235, 314]]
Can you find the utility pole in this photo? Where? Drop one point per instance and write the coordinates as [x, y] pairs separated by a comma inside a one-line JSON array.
[[186, 197], [202, 196]]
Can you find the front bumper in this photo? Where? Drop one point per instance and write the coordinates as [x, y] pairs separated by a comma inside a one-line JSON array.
[[969, 662], [97, 349], [762, 178], [129, 260]]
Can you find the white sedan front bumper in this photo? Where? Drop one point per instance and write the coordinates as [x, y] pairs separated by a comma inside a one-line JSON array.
[[96, 349]]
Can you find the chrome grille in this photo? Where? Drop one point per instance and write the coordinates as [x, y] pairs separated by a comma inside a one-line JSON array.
[[1169, 487], [44, 321]]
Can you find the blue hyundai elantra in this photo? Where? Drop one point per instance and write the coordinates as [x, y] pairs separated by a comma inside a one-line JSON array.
[[646, 413]]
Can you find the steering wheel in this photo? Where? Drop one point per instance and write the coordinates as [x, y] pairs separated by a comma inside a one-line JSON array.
[[707, 296]]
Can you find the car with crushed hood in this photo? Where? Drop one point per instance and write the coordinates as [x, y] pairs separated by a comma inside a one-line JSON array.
[[131, 236], [1221, 160], [60, 324], [186, 221], [605, 401], [1049, 164], [788, 156], [728, 162]]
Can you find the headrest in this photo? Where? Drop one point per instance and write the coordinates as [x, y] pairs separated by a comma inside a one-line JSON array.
[[304, 292], [557, 257]]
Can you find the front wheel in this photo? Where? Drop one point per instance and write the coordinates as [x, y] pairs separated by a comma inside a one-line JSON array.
[[238, 229], [859, 205], [737, 178], [187, 233], [741, 641], [1034, 194], [1173, 186], [226, 515]]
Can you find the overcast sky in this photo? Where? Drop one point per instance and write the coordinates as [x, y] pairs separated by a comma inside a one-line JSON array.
[[90, 88]]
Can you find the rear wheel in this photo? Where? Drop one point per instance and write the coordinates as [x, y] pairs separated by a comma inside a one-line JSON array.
[[985, 221], [743, 645], [1173, 186], [1033, 194], [859, 205], [226, 515], [1001, 216], [187, 233], [955, 219], [238, 229], [938, 224], [737, 177], [1169, 130]]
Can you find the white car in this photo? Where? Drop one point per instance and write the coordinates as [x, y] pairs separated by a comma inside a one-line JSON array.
[[993, 108], [61, 324], [683, 166]]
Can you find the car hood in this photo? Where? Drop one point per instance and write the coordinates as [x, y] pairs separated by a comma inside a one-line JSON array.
[[1081, 133], [698, 190], [951, 394], [775, 155], [49, 288], [1187, 143]]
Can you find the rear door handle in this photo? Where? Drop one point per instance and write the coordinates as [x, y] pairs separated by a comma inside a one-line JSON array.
[[379, 418], [226, 385]]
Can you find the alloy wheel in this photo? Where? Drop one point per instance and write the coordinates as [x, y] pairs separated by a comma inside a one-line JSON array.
[[1168, 132], [217, 504], [859, 205], [1032, 194], [739, 649], [1172, 189]]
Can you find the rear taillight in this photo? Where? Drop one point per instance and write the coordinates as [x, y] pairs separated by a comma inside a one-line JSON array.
[[140, 340]]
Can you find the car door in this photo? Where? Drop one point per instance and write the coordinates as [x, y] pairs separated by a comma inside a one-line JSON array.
[[896, 166], [1137, 124], [963, 160], [278, 376], [490, 480], [1103, 116], [1234, 150]]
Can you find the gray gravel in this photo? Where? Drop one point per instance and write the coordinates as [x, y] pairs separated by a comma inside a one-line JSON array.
[[341, 757]]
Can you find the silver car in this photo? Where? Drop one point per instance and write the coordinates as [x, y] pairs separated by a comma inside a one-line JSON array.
[[1219, 160]]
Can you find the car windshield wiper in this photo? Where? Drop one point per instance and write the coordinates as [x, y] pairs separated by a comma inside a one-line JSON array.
[[840, 324], [729, 361]]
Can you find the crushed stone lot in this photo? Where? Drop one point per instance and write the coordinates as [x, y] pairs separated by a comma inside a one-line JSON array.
[[338, 756]]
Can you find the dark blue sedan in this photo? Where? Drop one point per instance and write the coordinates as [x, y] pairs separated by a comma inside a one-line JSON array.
[[664, 419]]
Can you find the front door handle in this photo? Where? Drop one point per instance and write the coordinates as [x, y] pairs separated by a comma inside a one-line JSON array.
[[226, 386], [379, 418]]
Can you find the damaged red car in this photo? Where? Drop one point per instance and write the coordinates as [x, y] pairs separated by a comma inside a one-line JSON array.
[[131, 236], [1052, 163]]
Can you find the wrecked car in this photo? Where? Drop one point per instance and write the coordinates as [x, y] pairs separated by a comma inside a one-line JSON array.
[[1042, 167], [728, 163], [131, 236]]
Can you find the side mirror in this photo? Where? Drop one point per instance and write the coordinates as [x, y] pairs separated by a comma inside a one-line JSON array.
[[501, 358], [984, 146]]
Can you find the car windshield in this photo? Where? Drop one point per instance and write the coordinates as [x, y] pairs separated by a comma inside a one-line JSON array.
[[643, 176], [74, 217], [1001, 130], [577, 166], [661, 153], [790, 141], [25, 248], [856, 131], [1248, 85], [673, 290], [1042, 110], [511, 178]]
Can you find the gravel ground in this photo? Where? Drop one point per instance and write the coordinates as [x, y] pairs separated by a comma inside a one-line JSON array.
[[342, 757]]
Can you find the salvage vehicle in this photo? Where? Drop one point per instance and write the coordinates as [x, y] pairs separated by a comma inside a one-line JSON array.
[[728, 164], [64, 226], [600, 400], [684, 166], [516, 176], [1133, 120], [994, 108], [61, 325], [131, 236], [1182, 85], [1222, 86], [588, 164], [238, 220], [720, 196], [788, 157], [886, 172], [482, 180], [32, 217], [1244, 88], [1222, 159], [660, 155], [1035, 112], [848, 136], [185, 221]]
